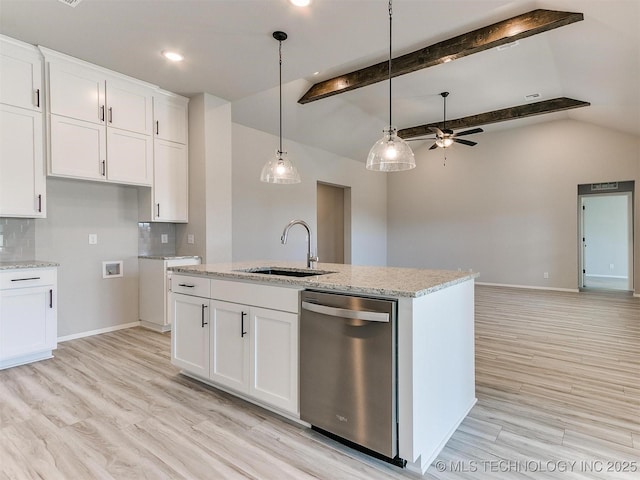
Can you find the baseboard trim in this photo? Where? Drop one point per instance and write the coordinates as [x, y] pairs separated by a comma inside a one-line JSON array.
[[90, 333], [572, 290]]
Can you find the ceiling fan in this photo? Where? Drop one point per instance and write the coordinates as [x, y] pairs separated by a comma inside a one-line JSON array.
[[446, 137]]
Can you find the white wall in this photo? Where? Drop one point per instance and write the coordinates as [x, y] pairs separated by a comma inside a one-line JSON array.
[[261, 211], [210, 164], [507, 207], [75, 209]]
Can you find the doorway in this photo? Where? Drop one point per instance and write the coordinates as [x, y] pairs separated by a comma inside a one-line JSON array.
[[606, 237], [334, 223]]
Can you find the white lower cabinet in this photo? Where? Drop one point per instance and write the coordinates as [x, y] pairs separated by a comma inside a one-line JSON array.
[[274, 358], [190, 335], [252, 350], [28, 318]]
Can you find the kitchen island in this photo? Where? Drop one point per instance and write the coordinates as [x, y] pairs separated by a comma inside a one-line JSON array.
[[435, 338]]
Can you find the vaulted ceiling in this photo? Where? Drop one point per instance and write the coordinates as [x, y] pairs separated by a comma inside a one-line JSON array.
[[230, 53]]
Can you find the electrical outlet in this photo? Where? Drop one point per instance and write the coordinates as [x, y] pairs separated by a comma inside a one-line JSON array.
[[1, 241], [190, 239], [93, 238], [471, 270], [164, 238], [546, 275], [611, 266]]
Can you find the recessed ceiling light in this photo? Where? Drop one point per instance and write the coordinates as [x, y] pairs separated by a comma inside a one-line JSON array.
[[300, 3], [173, 56], [316, 73]]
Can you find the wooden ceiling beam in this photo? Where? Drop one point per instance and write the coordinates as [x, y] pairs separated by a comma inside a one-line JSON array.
[[506, 31], [496, 116]]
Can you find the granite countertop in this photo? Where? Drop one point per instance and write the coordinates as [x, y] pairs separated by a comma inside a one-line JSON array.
[[168, 257], [27, 264], [387, 281]]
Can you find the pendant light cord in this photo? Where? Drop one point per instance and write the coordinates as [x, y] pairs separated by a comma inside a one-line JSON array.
[[280, 81], [390, 39]]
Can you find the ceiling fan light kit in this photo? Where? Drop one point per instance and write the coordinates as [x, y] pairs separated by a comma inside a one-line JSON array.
[[280, 169], [391, 153]]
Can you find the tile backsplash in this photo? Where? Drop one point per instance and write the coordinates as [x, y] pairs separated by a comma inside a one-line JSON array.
[[18, 239], [150, 238]]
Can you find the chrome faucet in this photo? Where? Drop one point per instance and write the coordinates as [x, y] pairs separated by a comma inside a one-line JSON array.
[[311, 259]]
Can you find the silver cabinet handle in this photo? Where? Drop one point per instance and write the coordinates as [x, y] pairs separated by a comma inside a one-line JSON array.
[[344, 313]]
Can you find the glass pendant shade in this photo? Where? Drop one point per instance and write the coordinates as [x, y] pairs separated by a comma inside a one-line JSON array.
[[390, 154], [279, 170]]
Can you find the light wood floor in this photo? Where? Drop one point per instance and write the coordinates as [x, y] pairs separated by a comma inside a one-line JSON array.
[[558, 381]]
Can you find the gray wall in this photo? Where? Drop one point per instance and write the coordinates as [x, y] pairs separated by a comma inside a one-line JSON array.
[[261, 210], [507, 207], [75, 209]]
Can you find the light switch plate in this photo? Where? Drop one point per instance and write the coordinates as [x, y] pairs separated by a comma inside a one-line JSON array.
[[164, 238], [93, 238], [1, 241], [190, 239]]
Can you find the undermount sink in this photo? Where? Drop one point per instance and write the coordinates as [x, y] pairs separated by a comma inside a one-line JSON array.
[[285, 272]]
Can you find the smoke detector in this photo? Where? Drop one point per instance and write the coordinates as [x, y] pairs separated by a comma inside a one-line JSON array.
[[71, 3]]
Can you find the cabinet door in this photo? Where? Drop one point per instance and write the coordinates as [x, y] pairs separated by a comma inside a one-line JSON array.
[[230, 345], [20, 75], [129, 157], [274, 358], [170, 181], [27, 321], [170, 119], [22, 180], [78, 149], [190, 336], [76, 92], [129, 106]]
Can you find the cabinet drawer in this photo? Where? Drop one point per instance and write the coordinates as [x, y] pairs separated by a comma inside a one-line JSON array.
[[274, 297], [195, 286], [27, 277]]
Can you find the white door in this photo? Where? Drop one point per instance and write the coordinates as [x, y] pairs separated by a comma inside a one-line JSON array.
[[130, 157], [230, 345], [78, 149], [190, 334], [20, 76], [129, 106], [170, 193], [77, 92], [274, 358], [22, 179], [27, 321]]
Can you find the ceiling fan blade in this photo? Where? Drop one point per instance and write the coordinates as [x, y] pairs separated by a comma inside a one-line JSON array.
[[433, 147], [469, 132], [465, 142], [421, 139], [437, 131]]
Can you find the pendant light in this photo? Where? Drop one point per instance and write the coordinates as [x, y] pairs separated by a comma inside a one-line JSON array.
[[280, 169], [391, 153]]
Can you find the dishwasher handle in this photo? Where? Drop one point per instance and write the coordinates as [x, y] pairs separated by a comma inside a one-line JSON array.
[[345, 313]]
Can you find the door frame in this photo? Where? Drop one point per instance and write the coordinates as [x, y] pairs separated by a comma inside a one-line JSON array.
[[623, 189]]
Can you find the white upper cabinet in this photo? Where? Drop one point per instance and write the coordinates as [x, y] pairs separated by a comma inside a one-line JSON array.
[[22, 176], [22, 179], [168, 200], [20, 75], [76, 92], [170, 117], [100, 123]]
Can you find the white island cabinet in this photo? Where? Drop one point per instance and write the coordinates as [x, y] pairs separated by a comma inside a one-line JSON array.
[[252, 343], [253, 319], [28, 314]]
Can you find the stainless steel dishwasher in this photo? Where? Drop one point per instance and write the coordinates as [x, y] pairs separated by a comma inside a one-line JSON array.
[[348, 379]]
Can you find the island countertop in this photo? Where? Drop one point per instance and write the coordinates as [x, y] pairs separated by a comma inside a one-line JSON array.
[[368, 280]]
